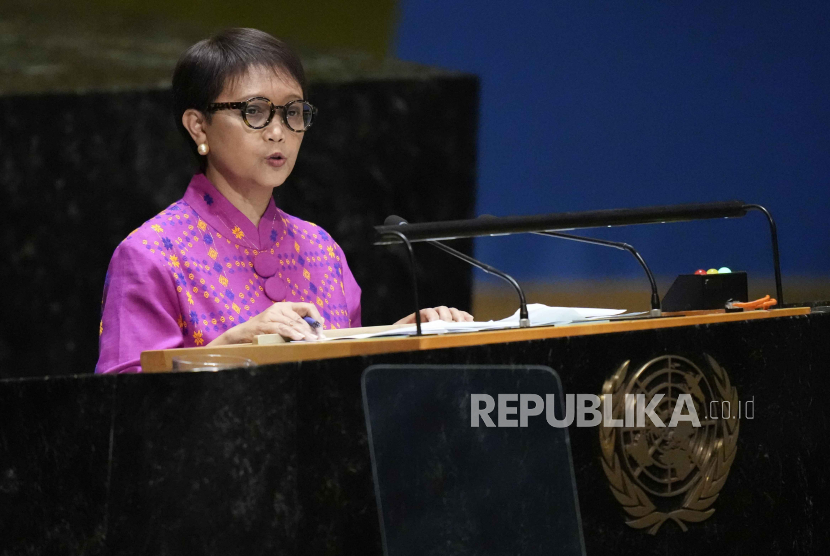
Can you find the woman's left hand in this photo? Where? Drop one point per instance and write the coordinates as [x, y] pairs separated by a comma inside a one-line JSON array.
[[448, 314]]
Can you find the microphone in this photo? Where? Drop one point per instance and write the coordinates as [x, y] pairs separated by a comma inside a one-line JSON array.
[[524, 320], [656, 309]]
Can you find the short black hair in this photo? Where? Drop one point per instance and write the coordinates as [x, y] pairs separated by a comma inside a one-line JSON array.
[[204, 69]]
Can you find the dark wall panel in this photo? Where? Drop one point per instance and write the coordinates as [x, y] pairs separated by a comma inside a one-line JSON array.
[[78, 172]]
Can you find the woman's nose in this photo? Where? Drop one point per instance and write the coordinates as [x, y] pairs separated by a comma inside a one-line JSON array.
[[275, 131]]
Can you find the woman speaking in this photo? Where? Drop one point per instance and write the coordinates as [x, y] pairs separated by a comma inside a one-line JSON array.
[[224, 263]]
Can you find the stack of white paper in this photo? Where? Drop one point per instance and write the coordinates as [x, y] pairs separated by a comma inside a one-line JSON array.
[[540, 315]]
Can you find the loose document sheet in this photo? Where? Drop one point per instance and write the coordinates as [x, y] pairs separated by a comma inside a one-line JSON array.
[[539, 314]]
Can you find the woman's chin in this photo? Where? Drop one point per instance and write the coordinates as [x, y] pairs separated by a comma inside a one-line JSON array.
[[271, 178]]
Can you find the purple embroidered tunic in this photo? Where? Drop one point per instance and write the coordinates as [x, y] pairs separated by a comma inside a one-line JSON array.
[[201, 267]]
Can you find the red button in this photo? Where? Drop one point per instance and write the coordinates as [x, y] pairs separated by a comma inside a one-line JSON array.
[[700, 271]]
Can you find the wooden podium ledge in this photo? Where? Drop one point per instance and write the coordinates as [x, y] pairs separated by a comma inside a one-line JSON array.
[[161, 360]]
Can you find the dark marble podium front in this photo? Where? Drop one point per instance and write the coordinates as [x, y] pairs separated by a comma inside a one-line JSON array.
[[275, 460]]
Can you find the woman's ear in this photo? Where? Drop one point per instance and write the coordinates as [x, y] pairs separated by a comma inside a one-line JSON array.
[[194, 122]]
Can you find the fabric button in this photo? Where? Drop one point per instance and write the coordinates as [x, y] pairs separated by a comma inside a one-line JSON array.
[[266, 264], [275, 289]]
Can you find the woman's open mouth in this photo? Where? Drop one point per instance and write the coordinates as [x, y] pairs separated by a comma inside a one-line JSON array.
[[276, 160]]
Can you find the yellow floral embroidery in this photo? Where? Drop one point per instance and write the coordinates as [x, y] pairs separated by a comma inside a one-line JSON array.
[[236, 308], [223, 281], [306, 274], [201, 225], [296, 247], [189, 298], [319, 301], [239, 234], [212, 253], [157, 228], [181, 322], [197, 338], [174, 260]]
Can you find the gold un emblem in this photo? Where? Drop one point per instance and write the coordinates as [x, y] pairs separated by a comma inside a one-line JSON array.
[[663, 473]]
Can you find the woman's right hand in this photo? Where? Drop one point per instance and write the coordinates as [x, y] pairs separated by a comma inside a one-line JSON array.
[[283, 318]]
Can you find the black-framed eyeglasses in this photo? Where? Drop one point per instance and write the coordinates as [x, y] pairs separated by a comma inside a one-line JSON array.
[[258, 112]]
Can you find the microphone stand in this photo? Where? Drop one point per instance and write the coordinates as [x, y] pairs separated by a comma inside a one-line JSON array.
[[656, 309], [477, 227], [776, 262], [524, 320], [406, 242]]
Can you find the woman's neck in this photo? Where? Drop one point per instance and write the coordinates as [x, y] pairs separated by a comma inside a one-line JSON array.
[[251, 201]]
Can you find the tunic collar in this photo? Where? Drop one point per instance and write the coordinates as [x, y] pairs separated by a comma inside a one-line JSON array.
[[220, 213]]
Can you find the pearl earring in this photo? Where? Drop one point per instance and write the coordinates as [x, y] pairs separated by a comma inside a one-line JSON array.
[[203, 149]]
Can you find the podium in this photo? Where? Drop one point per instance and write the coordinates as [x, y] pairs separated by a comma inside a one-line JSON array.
[[276, 459]]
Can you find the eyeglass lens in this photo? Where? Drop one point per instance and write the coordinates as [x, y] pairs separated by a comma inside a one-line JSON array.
[[297, 114]]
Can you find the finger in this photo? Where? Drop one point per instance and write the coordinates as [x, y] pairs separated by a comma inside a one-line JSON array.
[[467, 316], [457, 316], [284, 330], [307, 310], [444, 313], [306, 331], [408, 319], [430, 315], [296, 322]]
